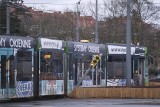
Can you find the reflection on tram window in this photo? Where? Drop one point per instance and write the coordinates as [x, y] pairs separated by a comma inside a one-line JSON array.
[[11, 71], [24, 65], [3, 71], [81, 64], [51, 66], [7, 66]]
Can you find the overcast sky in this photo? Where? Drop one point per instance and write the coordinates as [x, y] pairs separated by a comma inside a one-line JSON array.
[[59, 5]]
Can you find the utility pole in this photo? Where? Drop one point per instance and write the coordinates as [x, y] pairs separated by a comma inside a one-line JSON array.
[[128, 40], [78, 15], [7, 17], [0, 16], [96, 36]]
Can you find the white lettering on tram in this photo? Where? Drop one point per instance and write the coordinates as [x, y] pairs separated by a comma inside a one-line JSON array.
[[85, 48], [80, 48], [51, 44], [20, 43], [93, 49], [2, 41], [24, 87]]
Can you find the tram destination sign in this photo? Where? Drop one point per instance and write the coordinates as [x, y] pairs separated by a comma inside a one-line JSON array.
[[115, 49], [51, 44], [16, 42]]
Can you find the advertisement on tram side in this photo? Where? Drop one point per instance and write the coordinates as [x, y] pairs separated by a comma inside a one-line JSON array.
[[51, 87], [24, 89]]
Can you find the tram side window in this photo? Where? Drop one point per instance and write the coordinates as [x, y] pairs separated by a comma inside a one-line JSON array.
[[86, 64], [102, 66], [3, 71], [24, 66], [11, 76], [51, 66], [116, 68]]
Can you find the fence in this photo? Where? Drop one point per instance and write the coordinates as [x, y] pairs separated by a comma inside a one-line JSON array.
[[116, 92]]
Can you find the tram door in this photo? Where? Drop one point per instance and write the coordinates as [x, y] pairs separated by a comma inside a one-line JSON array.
[[7, 74], [138, 71]]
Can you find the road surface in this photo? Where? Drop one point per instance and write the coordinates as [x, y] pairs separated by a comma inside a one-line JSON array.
[[69, 102]]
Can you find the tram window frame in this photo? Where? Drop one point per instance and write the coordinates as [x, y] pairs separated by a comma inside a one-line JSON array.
[[24, 73]]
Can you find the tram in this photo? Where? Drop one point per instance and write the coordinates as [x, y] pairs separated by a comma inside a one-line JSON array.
[[16, 67], [37, 67]]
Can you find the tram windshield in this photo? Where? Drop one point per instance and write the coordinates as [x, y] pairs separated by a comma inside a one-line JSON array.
[[51, 66]]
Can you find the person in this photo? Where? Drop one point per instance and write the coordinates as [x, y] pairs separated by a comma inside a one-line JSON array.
[[54, 72], [136, 79]]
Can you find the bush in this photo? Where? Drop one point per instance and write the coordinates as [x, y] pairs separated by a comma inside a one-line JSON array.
[[153, 71]]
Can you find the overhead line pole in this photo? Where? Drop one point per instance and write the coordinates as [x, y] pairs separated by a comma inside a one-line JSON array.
[[77, 29], [0, 16], [96, 30], [7, 18], [128, 40]]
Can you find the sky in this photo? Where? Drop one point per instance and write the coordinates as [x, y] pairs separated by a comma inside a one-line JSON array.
[[57, 5], [60, 5]]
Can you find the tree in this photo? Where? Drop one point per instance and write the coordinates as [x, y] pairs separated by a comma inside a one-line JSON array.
[[143, 13], [57, 25], [112, 29], [144, 31], [16, 25]]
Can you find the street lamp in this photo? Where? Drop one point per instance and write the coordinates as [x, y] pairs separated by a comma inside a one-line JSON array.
[[77, 29]]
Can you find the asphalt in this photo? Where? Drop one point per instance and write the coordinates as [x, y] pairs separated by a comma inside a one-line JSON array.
[[70, 102]]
